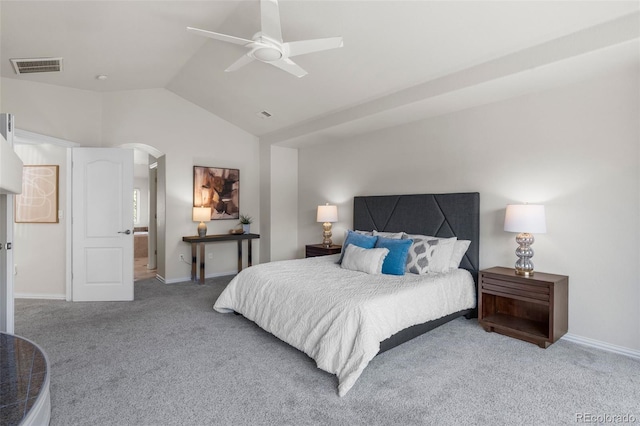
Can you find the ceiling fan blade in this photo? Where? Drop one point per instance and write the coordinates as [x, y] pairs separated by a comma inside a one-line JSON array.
[[308, 46], [218, 36], [244, 60], [289, 66], [270, 19]]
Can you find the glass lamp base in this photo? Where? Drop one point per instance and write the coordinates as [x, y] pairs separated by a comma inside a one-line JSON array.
[[202, 230], [326, 234], [524, 265]]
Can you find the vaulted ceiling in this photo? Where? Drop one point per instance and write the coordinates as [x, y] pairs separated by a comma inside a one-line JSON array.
[[400, 61]]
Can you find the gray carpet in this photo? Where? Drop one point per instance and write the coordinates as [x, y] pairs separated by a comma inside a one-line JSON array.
[[168, 359]]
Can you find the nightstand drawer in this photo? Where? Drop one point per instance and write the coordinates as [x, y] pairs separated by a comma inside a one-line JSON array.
[[314, 250], [494, 285]]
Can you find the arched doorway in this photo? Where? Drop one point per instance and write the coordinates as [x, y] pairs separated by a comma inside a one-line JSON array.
[[148, 238]]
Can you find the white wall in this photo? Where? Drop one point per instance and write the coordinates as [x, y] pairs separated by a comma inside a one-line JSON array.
[[188, 136], [574, 149], [284, 203], [64, 113], [40, 248], [70, 114]]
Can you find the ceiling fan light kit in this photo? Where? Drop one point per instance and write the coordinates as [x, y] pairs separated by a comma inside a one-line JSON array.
[[266, 54], [267, 45]]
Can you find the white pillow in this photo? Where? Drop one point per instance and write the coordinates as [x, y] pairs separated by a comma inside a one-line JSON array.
[[391, 235], [364, 260], [429, 254], [441, 258], [459, 249]]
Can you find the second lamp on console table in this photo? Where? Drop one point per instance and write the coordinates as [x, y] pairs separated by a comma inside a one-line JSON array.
[[202, 215]]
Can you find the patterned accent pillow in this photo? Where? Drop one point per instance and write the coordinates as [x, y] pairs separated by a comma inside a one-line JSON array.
[[457, 251], [419, 256], [430, 254]]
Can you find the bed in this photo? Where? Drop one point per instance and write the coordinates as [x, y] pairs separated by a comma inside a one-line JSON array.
[[343, 318]]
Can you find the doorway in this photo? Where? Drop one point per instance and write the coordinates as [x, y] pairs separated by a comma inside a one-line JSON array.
[[145, 206]]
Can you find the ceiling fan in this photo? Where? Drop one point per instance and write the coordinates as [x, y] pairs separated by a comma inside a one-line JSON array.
[[267, 45]]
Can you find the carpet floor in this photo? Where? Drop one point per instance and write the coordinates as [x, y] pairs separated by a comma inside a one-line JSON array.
[[168, 359]]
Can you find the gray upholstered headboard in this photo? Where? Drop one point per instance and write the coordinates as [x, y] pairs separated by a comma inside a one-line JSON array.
[[439, 215]]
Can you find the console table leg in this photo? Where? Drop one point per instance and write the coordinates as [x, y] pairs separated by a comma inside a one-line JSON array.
[[194, 260], [239, 255], [202, 259], [249, 253]]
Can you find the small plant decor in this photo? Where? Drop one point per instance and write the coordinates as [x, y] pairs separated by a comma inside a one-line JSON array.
[[245, 219]]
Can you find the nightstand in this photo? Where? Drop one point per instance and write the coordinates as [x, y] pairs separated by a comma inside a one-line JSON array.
[[534, 309], [313, 250]]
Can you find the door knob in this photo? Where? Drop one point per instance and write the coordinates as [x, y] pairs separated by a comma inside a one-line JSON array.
[[124, 232]]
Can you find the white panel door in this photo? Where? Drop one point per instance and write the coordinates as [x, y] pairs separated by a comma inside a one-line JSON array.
[[102, 224]]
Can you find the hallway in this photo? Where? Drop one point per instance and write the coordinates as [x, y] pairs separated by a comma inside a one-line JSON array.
[[140, 271]]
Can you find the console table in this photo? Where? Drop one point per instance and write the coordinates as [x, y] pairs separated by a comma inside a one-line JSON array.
[[201, 241]]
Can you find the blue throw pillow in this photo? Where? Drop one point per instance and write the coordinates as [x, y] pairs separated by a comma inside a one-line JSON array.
[[360, 240], [394, 263]]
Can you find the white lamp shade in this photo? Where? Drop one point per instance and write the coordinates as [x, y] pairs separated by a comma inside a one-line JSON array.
[[327, 213], [525, 218], [202, 214]]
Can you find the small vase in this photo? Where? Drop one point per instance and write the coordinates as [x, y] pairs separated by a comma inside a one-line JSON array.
[[246, 228]]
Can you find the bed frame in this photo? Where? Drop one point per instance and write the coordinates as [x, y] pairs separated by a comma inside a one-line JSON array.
[[439, 215]]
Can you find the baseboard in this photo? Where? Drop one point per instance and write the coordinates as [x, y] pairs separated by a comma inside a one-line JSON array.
[[632, 353], [39, 296], [181, 280]]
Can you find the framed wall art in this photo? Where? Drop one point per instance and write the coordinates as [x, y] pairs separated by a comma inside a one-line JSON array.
[[218, 188], [38, 202]]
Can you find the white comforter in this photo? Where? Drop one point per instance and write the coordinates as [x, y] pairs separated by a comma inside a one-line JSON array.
[[339, 317]]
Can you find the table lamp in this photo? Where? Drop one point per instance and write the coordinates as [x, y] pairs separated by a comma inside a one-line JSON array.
[[525, 219], [202, 215], [326, 215]]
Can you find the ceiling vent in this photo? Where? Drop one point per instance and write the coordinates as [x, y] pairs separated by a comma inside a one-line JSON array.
[[264, 114], [36, 65]]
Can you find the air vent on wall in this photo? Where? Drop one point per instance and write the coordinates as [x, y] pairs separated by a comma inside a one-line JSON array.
[[36, 65]]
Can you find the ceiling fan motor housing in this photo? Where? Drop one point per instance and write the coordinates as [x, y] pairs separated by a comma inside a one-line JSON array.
[[265, 49]]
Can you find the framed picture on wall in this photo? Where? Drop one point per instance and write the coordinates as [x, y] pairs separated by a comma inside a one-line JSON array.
[[38, 202], [218, 188]]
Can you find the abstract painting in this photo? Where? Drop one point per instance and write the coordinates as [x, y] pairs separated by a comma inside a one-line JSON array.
[[218, 188], [38, 202]]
